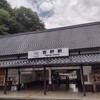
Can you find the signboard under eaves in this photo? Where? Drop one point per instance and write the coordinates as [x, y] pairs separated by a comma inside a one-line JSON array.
[[59, 52]]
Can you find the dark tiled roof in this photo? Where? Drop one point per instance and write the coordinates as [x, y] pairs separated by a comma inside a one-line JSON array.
[[71, 60], [73, 37]]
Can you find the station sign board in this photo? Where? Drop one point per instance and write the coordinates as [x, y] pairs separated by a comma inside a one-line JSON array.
[[59, 52]]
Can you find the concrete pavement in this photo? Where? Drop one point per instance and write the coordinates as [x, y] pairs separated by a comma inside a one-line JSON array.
[[51, 95], [37, 93]]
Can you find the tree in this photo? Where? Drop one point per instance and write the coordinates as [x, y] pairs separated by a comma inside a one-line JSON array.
[[7, 23], [4, 19], [3, 30], [18, 20], [6, 6], [28, 19]]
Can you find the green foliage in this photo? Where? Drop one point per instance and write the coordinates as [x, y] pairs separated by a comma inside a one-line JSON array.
[[4, 19], [3, 30], [6, 6], [7, 23], [28, 19], [4, 16], [18, 20]]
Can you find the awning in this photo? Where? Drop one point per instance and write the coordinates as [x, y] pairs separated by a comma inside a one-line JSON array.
[[71, 60]]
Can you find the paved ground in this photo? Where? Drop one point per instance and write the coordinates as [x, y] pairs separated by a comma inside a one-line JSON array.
[[37, 94], [57, 95]]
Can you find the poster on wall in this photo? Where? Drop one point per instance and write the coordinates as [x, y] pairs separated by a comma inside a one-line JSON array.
[[95, 78]]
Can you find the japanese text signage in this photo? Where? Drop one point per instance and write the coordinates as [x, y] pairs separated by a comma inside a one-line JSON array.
[[48, 53]]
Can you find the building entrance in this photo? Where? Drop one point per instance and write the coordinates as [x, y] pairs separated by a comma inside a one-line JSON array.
[[66, 80], [48, 79], [57, 79]]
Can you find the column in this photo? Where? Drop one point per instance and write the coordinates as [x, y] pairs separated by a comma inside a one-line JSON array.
[[19, 85], [6, 76], [82, 79], [50, 80], [44, 80]]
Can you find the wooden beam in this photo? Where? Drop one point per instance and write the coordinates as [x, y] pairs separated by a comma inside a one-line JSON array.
[[6, 76], [82, 79], [44, 80], [19, 86]]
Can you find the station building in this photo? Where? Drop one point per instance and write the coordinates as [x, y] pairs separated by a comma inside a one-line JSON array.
[[82, 61]]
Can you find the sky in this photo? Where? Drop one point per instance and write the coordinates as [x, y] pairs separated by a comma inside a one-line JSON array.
[[60, 13]]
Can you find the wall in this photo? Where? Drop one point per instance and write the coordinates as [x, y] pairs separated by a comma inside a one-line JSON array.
[[27, 77], [13, 74], [87, 71]]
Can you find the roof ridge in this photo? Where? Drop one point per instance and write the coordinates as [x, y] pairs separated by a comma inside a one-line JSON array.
[[53, 29]]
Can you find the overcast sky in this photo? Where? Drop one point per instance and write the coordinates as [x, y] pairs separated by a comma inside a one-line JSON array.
[[59, 13]]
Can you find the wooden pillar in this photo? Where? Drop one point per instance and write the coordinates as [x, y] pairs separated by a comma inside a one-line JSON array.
[[50, 79], [6, 76], [82, 79], [44, 80], [19, 80], [94, 87]]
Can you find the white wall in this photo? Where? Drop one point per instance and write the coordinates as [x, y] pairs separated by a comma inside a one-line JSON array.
[[55, 68], [87, 71], [12, 72]]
